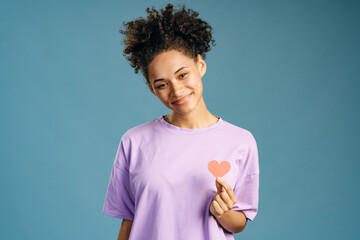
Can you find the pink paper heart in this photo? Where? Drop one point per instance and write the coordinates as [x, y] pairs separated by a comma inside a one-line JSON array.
[[219, 170]]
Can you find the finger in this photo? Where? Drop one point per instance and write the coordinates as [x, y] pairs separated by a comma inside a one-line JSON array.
[[217, 208], [227, 200], [222, 204], [228, 189], [219, 187]]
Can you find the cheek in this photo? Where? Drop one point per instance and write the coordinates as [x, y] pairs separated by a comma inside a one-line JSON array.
[[193, 81], [163, 96], [196, 84]]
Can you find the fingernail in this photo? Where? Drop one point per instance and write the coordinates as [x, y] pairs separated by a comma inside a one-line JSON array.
[[219, 179]]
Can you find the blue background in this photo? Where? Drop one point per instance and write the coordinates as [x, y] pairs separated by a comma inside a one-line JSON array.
[[288, 71]]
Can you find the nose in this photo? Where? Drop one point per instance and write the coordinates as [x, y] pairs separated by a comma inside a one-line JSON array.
[[177, 89]]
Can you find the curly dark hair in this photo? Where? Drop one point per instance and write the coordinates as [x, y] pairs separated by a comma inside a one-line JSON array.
[[168, 29]]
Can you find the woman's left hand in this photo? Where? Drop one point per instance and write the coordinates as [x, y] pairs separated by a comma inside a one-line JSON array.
[[223, 200]]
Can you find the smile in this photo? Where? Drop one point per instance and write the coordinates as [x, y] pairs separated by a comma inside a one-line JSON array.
[[182, 100]]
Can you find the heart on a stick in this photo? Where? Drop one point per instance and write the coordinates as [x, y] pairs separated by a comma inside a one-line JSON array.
[[219, 170]]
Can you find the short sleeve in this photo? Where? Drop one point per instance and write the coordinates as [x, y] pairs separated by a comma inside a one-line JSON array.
[[246, 187], [119, 200]]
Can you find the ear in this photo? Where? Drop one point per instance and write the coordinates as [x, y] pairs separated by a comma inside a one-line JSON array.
[[201, 65]]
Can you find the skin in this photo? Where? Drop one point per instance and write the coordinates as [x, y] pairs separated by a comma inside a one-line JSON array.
[[125, 229], [221, 208], [173, 86], [173, 75]]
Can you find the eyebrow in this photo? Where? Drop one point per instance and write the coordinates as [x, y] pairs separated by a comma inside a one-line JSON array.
[[174, 74]]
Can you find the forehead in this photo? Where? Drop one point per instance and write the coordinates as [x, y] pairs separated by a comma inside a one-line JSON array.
[[168, 62]]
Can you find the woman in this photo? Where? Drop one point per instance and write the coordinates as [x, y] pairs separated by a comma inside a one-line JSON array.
[[189, 174]]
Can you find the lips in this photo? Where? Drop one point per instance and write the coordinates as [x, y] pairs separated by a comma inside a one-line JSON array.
[[182, 100]]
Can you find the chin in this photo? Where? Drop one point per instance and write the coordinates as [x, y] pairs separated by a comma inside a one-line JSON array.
[[184, 110]]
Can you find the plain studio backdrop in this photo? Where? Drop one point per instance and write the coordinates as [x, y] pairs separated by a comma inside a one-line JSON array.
[[288, 71]]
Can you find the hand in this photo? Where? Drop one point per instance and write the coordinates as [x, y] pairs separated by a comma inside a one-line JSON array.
[[223, 200]]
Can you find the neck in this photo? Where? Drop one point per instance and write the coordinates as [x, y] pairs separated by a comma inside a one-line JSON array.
[[198, 118]]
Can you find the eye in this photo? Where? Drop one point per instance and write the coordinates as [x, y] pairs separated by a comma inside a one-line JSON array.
[[182, 75], [160, 86]]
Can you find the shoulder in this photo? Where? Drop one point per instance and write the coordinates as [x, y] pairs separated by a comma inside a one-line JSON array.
[[140, 131], [238, 132]]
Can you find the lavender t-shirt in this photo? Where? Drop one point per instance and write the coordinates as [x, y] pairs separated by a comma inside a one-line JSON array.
[[163, 178]]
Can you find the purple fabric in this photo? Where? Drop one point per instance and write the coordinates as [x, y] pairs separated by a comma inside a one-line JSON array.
[[160, 179]]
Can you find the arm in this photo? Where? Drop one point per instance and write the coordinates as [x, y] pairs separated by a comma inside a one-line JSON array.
[[233, 221], [125, 229]]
